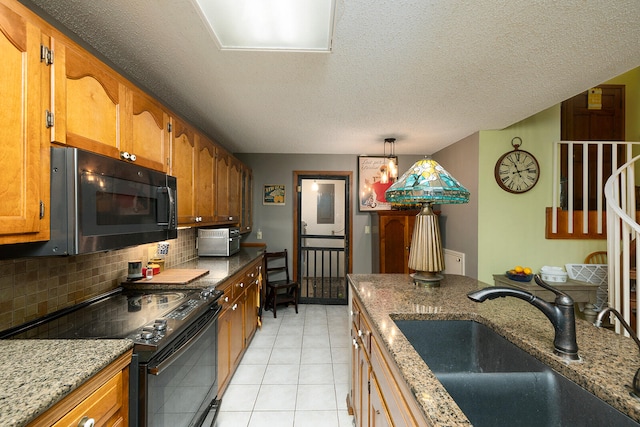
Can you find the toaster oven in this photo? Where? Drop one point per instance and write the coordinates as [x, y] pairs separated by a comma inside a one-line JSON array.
[[218, 241]]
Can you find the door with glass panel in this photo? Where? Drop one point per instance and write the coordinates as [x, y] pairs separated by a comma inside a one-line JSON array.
[[322, 236]]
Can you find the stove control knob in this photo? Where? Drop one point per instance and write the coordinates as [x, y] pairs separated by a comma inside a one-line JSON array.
[[205, 293], [147, 334], [160, 324]]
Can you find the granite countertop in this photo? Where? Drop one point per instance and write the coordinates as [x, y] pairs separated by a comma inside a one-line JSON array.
[[606, 369], [36, 374], [220, 269]]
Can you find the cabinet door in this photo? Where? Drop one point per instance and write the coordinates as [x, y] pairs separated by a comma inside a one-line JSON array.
[[236, 346], [24, 165], [224, 353], [205, 180], [89, 101], [223, 164], [235, 193], [378, 414], [148, 138], [250, 310], [183, 165], [394, 244], [246, 220]]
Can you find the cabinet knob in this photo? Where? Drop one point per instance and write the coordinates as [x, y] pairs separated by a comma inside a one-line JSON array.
[[86, 422], [226, 299], [125, 155], [241, 284], [132, 157], [359, 332], [234, 307]]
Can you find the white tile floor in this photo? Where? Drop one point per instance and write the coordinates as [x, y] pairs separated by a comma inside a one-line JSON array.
[[295, 372]]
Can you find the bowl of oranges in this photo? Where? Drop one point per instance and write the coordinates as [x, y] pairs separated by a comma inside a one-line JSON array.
[[520, 274]]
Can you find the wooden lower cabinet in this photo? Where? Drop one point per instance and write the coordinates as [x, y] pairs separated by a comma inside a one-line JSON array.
[[104, 398], [377, 398], [238, 321], [378, 413]]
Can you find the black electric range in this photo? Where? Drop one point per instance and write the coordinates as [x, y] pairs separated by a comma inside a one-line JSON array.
[[148, 317]]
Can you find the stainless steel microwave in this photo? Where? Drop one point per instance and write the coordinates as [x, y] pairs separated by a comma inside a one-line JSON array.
[[99, 203]]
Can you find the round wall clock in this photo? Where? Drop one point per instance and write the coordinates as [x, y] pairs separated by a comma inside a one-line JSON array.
[[517, 171]]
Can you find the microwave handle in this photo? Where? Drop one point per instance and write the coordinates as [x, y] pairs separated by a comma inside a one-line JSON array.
[[172, 206]]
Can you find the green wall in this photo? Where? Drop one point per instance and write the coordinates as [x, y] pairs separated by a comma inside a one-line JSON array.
[[511, 227]]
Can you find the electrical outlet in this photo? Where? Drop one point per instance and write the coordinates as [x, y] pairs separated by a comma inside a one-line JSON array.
[[259, 235], [367, 229]]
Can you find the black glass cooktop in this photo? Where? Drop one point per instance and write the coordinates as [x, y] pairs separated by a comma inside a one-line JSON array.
[[116, 316]]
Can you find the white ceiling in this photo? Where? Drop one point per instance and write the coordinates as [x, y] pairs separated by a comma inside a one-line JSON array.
[[427, 72]]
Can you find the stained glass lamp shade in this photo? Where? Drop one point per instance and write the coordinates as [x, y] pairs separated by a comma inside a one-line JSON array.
[[426, 183]]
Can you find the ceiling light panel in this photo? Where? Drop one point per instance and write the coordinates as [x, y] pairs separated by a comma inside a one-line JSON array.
[[290, 25]]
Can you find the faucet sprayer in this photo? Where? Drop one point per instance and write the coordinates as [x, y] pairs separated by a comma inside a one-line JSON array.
[[560, 313], [598, 323]]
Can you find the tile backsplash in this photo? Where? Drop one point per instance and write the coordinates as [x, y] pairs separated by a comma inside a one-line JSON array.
[[33, 287]]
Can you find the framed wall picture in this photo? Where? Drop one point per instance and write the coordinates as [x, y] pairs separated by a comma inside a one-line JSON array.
[[370, 187], [273, 194]]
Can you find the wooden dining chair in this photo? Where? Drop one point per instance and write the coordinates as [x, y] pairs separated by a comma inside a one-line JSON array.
[[598, 257], [280, 288]]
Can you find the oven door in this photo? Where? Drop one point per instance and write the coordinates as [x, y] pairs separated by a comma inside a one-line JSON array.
[[178, 386]]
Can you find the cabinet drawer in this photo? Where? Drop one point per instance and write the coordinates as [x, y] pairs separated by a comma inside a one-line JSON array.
[[101, 405]]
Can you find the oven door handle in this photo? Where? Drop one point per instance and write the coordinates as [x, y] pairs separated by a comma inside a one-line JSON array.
[[160, 367]]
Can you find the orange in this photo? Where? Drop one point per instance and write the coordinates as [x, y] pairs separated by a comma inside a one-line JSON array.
[[527, 270], [518, 269]]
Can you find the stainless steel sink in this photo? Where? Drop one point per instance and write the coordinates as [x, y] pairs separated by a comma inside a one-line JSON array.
[[495, 383]]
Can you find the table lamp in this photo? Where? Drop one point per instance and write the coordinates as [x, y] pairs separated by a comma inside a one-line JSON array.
[[426, 183]]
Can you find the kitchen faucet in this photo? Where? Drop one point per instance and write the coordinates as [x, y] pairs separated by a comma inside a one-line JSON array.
[[598, 323], [560, 313]]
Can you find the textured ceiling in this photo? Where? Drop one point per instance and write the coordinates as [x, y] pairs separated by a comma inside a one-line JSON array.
[[428, 72]]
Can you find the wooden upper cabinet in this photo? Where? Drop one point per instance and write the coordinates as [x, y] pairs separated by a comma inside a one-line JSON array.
[[235, 190], [223, 165], [24, 157], [183, 166], [205, 180], [89, 101], [98, 110], [147, 133], [246, 218]]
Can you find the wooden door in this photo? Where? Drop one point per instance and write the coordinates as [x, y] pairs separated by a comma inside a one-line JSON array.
[[24, 165], [581, 123]]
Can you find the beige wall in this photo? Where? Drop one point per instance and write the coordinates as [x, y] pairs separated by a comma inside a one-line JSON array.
[[33, 287]]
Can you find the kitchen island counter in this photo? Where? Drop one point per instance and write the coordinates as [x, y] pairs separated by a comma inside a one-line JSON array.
[[36, 374], [608, 361]]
